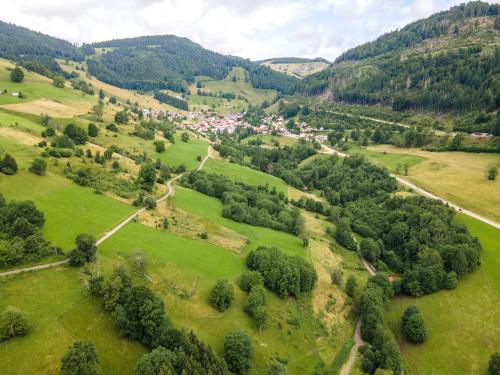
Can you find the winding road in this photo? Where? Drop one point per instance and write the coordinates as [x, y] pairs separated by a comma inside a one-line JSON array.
[[107, 235]]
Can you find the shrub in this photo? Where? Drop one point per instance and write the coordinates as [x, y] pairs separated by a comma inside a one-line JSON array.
[[76, 134], [8, 165], [92, 130], [350, 286], [13, 323], [494, 364], [150, 203], [63, 141], [121, 117], [85, 250], [336, 276], [159, 146], [185, 137], [249, 280], [58, 81], [38, 167], [238, 352], [451, 280], [221, 295], [414, 325], [81, 358], [17, 75], [343, 235], [112, 127]]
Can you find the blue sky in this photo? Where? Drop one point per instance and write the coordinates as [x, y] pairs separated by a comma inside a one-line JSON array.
[[255, 29]]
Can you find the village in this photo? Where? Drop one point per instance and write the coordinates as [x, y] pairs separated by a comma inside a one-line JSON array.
[[213, 123]]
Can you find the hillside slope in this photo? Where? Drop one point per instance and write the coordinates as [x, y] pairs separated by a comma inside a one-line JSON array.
[[449, 62], [170, 62], [296, 66]]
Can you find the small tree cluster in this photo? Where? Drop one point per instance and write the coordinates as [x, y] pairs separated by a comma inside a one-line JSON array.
[[38, 167], [81, 358], [221, 295], [283, 274], [238, 352], [85, 250], [8, 165], [414, 325], [13, 323]]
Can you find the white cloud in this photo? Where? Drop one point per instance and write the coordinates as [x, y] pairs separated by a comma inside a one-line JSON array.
[[255, 29]]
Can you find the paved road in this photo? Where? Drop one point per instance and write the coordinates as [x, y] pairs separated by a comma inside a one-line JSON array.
[[402, 181], [107, 235]]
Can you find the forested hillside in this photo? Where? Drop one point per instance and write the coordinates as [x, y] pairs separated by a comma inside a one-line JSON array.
[[34, 50], [448, 62], [170, 62]]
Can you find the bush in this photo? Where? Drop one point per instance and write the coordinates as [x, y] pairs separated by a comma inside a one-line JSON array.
[[76, 134], [13, 323], [249, 280], [451, 280], [350, 286], [221, 295], [17, 75], [344, 236], [150, 203], [58, 81], [121, 117], [494, 364], [8, 165], [159, 146], [92, 130], [238, 352], [184, 137], [63, 141], [112, 127], [159, 361], [336, 276], [81, 358], [85, 250], [414, 325], [38, 167], [369, 249]]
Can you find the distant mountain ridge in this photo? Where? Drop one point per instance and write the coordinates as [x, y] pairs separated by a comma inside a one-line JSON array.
[[293, 60]]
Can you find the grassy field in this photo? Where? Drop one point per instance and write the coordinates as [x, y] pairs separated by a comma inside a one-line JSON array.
[[60, 313], [459, 177], [298, 70], [40, 95], [269, 140], [69, 209], [462, 323], [184, 152], [211, 209], [246, 175]]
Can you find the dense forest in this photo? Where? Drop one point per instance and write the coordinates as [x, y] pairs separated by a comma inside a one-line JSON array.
[[457, 74], [170, 62], [173, 101]]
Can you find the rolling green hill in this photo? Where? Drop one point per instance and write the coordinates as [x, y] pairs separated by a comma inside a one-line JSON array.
[[448, 62]]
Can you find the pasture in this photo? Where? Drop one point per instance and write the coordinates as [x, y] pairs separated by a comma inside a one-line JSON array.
[[246, 175], [462, 323], [69, 209], [60, 312], [269, 140]]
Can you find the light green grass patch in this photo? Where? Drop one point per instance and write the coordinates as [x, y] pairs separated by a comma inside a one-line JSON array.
[[462, 323], [269, 140], [69, 209], [11, 119], [60, 313], [246, 175], [184, 152]]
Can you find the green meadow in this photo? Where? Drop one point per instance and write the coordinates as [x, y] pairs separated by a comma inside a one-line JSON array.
[[9, 119], [246, 175], [462, 323], [68, 208], [60, 312], [184, 152], [388, 160], [270, 139]]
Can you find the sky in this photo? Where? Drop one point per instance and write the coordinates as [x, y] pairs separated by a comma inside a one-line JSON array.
[[255, 29]]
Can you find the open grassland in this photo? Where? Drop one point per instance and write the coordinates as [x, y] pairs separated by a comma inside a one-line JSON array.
[[10, 119], [462, 323], [40, 95], [220, 105], [246, 175], [211, 208], [459, 177], [69, 209], [390, 160], [184, 152], [60, 312], [183, 270], [270, 140]]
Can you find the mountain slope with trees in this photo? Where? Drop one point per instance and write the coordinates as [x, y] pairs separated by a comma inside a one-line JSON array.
[[170, 62], [448, 62]]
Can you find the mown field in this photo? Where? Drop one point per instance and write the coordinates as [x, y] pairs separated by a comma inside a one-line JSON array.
[[270, 139], [459, 177], [246, 175], [462, 323], [40, 96]]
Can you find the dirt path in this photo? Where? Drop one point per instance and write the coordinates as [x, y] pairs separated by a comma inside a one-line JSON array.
[[107, 235], [402, 181]]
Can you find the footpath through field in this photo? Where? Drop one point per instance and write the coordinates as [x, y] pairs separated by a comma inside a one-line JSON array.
[[402, 181], [107, 235]]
